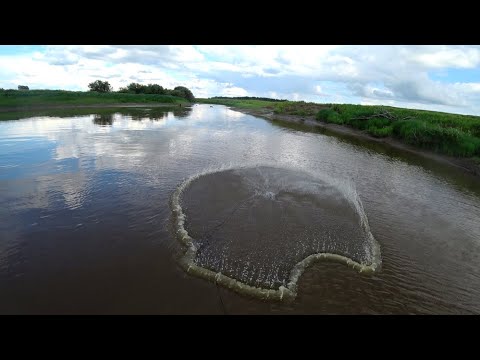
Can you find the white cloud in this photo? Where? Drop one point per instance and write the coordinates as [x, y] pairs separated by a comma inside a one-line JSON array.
[[445, 56], [397, 74]]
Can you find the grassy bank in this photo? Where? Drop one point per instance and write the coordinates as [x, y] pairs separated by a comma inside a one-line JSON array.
[[153, 113], [15, 98], [244, 104], [450, 134]]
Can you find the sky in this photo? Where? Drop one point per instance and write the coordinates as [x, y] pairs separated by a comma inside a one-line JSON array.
[[433, 77]]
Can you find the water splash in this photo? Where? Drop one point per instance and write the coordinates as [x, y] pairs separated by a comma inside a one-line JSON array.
[[271, 281]]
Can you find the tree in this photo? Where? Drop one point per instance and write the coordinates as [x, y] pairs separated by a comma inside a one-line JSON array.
[[182, 91], [23, 87], [154, 89], [100, 86], [136, 88]]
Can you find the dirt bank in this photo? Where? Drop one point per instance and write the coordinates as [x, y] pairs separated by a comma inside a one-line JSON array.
[[465, 164]]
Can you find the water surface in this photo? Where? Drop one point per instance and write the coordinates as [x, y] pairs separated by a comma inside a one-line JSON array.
[[87, 227]]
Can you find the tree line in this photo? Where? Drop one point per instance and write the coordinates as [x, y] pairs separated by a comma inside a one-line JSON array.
[[136, 88], [20, 87]]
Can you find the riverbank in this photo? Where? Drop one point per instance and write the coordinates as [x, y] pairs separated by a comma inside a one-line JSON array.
[[467, 164], [4, 109], [13, 100]]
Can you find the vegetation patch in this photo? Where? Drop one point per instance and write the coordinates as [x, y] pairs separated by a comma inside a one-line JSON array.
[[300, 108], [101, 92], [16, 98], [451, 134]]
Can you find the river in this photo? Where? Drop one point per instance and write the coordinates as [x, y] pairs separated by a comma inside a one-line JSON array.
[[88, 223]]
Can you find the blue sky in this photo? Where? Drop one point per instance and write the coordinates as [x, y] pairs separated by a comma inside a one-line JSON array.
[[444, 78]]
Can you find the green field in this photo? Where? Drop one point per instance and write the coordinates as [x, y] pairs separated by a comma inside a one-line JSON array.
[[450, 134], [16, 98]]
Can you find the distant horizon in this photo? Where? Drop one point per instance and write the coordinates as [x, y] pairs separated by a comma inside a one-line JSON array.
[[431, 77]]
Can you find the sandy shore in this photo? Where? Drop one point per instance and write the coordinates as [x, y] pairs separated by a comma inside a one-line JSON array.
[[465, 164]]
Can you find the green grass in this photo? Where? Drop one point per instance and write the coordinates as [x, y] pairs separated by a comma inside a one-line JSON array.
[[300, 108], [15, 98], [246, 104], [450, 134]]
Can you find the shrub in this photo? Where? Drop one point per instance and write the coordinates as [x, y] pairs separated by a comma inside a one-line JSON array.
[[380, 132], [100, 86], [329, 115]]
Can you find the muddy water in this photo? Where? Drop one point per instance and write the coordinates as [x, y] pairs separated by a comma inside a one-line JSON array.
[[87, 222]]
